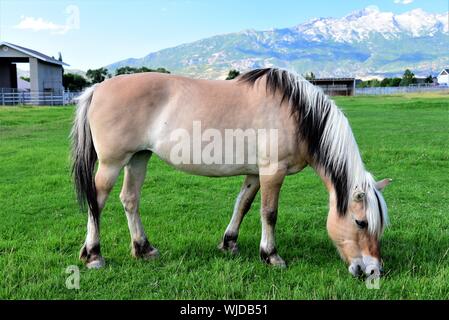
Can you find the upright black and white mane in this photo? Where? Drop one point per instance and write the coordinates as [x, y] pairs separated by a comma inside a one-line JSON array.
[[325, 129]]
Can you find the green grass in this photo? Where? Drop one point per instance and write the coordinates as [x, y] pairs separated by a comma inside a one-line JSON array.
[[41, 228]]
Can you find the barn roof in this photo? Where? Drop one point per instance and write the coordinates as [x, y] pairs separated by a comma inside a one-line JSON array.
[[446, 69], [33, 53]]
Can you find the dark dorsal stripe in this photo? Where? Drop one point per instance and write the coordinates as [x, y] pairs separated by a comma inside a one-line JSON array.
[[310, 128]]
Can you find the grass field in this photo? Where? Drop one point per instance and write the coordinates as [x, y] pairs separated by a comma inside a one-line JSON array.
[[41, 228]]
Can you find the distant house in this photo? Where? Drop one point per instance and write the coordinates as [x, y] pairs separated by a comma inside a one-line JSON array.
[[336, 86], [443, 77]]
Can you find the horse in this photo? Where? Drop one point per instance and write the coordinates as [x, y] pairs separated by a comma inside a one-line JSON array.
[[122, 121]]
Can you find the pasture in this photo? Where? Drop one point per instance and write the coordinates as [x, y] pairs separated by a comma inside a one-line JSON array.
[[41, 228]]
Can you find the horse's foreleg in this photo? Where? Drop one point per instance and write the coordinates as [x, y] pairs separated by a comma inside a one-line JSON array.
[[104, 181], [242, 205], [270, 186], [135, 172]]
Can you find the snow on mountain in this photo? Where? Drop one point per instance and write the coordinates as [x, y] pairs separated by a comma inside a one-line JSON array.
[[360, 25]]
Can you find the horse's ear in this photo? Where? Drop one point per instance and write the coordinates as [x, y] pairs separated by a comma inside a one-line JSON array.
[[380, 185]]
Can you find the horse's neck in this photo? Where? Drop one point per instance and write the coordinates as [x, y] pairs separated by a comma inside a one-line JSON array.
[[327, 181]]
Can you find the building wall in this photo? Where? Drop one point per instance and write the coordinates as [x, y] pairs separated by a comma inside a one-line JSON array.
[[45, 76], [336, 87], [443, 79], [51, 77]]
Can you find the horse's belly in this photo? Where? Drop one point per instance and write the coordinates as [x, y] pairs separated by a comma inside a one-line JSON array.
[[211, 169]]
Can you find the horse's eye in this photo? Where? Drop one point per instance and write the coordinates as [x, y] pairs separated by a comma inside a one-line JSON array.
[[361, 224]]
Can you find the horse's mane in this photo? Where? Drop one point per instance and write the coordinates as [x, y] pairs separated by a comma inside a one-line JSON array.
[[331, 143]]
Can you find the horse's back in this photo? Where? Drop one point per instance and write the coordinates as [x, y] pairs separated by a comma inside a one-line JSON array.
[[138, 112]]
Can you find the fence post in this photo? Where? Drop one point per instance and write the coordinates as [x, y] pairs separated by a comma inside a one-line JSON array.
[[3, 97]]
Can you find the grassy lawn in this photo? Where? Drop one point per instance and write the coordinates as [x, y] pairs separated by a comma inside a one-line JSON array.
[[41, 228]]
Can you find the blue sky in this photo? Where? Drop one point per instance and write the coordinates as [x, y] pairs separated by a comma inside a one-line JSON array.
[[94, 33]]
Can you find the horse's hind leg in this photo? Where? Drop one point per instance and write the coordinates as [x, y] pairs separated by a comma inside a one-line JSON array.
[[135, 172], [104, 181], [270, 186], [242, 205]]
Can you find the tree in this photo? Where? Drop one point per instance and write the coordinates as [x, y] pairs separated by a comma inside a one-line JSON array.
[[160, 70], [97, 75], [124, 70], [310, 76], [74, 82], [429, 79], [395, 82], [233, 74], [408, 78], [130, 70], [385, 82]]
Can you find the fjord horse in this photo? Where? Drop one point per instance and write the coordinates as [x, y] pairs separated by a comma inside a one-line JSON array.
[[121, 122]]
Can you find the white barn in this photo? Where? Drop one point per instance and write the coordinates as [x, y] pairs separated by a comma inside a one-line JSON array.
[[443, 77]]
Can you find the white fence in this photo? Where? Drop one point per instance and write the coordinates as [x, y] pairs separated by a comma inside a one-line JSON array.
[[398, 90], [14, 98]]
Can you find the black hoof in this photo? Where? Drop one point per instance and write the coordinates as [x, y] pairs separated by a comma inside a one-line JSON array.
[[144, 250], [92, 257], [272, 258], [229, 244]]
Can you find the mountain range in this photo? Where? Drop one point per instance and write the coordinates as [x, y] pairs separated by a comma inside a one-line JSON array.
[[365, 43]]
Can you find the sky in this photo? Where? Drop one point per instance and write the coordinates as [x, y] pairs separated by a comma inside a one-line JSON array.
[[95, 33]]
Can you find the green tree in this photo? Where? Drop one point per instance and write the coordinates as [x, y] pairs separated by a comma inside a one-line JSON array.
[[374, 83], [310, 76], [395, 82], [233, 74], [74, 82], [408, 78], [125, 70], [130, 70], [97, 75], [429, 79], [385, 82], [160, 70]]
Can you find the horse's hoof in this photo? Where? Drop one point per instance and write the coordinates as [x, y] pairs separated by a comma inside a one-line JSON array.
[[229, 247], [277, 261], [273, 259], [96, 263], [144, 251], [153, 254], [92, 258]]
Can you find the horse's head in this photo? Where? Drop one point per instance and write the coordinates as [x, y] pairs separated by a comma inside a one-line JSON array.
[[356, 234]]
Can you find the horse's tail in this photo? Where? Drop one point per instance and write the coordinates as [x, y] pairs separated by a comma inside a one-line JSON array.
[[84, 155]]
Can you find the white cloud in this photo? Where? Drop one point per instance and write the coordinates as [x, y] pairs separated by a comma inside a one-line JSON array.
[[40, 24], [403, 1]]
